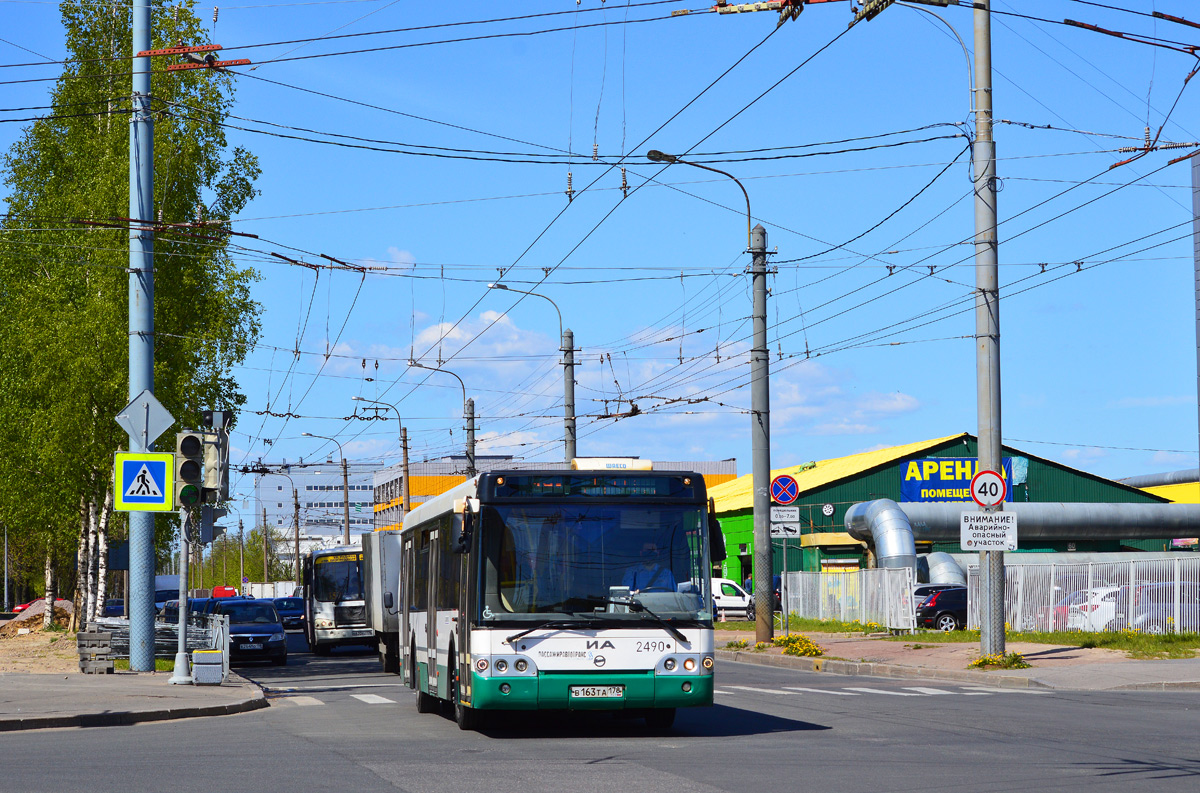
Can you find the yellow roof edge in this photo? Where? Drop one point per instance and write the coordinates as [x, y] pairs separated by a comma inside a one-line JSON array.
[[738, 494]]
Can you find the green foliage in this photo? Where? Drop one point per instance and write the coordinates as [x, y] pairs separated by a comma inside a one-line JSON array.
[[737, 644], [64, 286], [1138, 645]]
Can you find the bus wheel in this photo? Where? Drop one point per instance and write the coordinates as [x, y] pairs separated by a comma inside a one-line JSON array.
[[321, 649], [425, 703], [660, 718], [467, 718]]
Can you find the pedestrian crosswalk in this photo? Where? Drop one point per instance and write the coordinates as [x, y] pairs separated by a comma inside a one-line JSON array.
[[292, 698], [856, 691]]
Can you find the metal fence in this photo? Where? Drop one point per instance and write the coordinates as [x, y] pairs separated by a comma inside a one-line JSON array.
[[1152, 596], [881, 596], [204, 632]]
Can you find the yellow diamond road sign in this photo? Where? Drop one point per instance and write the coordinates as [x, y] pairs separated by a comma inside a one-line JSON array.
[[145, 481]]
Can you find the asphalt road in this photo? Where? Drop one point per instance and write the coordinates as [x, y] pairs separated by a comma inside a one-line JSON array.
[[338, 723]]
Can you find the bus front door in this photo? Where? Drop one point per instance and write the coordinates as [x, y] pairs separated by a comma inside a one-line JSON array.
[[431, 600]]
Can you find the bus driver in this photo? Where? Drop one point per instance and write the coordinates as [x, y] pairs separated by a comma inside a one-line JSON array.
[[649, 575]]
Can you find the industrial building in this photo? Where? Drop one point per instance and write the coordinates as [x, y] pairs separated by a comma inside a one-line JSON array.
[[936, 470]]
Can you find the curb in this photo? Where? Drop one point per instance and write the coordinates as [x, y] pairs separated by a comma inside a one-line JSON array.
[[255, 700], [876, 669]]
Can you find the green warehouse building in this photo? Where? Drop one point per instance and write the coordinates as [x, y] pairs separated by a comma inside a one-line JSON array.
[[933, 470]]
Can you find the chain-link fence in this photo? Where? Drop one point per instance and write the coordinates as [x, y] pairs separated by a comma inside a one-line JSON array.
[[1152, 596], [880, 596]]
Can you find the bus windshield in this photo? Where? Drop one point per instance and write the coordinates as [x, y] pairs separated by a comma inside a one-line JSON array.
[[581, 558], [338, 578]]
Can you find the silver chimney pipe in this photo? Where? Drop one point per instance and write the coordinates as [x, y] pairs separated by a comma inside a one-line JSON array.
[[886, 527], [1061, 521]]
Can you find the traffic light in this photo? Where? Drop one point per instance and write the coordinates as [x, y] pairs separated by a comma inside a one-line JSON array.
[[189, 467], [216, 455]]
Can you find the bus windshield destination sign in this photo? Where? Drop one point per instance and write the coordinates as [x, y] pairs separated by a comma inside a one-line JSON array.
[[592, 486]]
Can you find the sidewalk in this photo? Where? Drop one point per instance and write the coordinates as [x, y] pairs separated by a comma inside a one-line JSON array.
[[39, 701], [1053, 666]]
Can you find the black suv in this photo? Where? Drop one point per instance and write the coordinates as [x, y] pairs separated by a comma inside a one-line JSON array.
[[945, 610]]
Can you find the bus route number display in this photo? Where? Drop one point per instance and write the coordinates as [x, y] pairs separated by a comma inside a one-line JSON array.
[[341, 557]]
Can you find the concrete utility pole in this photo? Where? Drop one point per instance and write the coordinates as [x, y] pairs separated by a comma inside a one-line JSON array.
[[5, 604], [405, 491], [141, 332], [470, 417], [241, 556], [760, 436], [296, 523], [345, 502], [568, 351], [468, 413], [568, 362], [181, 675], [760, 413], [266, 553], [987, 320]]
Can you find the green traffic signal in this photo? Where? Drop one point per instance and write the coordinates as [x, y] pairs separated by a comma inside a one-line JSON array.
[[189, 495]]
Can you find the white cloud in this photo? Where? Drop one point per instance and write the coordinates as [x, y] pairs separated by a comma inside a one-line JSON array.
[[1174, 460]]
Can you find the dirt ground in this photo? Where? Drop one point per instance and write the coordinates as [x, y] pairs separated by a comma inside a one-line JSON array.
[[39, 652]]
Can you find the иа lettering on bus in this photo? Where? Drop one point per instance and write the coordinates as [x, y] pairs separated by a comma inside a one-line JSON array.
[[943, 478]]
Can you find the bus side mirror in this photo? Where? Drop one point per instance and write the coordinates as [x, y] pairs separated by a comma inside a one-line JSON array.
[[716, 540], [388, 602], [467, 510]]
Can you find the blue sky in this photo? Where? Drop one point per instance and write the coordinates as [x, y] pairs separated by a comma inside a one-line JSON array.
[[1098, 360]]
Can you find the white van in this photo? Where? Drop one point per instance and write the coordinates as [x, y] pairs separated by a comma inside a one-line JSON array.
[[732, 600]]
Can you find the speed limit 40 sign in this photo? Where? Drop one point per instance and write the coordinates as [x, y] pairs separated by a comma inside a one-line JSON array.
[[988, 488]]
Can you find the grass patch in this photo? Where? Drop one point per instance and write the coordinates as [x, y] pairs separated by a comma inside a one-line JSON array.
[[805, 625], [1138, 645], [160, 664]]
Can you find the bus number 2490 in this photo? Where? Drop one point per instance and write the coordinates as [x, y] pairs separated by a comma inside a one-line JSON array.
[[653, 647]]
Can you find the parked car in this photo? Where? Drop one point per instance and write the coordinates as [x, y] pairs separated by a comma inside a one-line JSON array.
[[255, 631], [922, 591], [291, 611], [1054, 618], [1095, 610], [23, 606], [169, 613], [1154, 609], [732, 599], [113, 607], [945, 610]]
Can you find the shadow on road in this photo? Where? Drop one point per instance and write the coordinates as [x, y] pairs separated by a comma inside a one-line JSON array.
[[716, 721]]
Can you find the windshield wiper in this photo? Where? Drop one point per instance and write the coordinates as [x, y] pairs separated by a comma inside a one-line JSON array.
[[549, 624], [640, 607]]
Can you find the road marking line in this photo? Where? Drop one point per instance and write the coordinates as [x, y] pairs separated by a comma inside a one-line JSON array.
[[301, 700], [821, 691], [374, 699], [761, 690], [998, 690], [882, 691], [285, 689], [931, 691]]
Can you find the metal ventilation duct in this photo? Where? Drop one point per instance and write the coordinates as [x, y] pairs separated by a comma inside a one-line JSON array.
[[1057, 521], [944, 570], [1169, 478], [884, 525]]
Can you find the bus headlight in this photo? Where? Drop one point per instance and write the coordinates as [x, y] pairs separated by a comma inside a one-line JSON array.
[[481, 665], [521, 665], [689, 664], [669, 664], [707, 663], [502, 666], [324, 623]]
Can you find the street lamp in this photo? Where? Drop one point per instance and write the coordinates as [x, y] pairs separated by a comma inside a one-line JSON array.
[[760, 409], [345, 486], [568, 350], [468, 413], [403, 447]]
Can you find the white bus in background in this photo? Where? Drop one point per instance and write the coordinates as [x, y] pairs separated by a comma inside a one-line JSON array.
[[334, 609], [572, 590]]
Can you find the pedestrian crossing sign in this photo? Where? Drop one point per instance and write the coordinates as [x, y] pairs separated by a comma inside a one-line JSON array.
[[144, 482]]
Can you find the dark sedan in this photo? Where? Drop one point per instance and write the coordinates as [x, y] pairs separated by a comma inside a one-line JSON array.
[[255, 632], [945, 610], [291, 611]]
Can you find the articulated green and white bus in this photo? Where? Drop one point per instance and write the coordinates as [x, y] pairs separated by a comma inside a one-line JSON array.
[[576, 590]]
